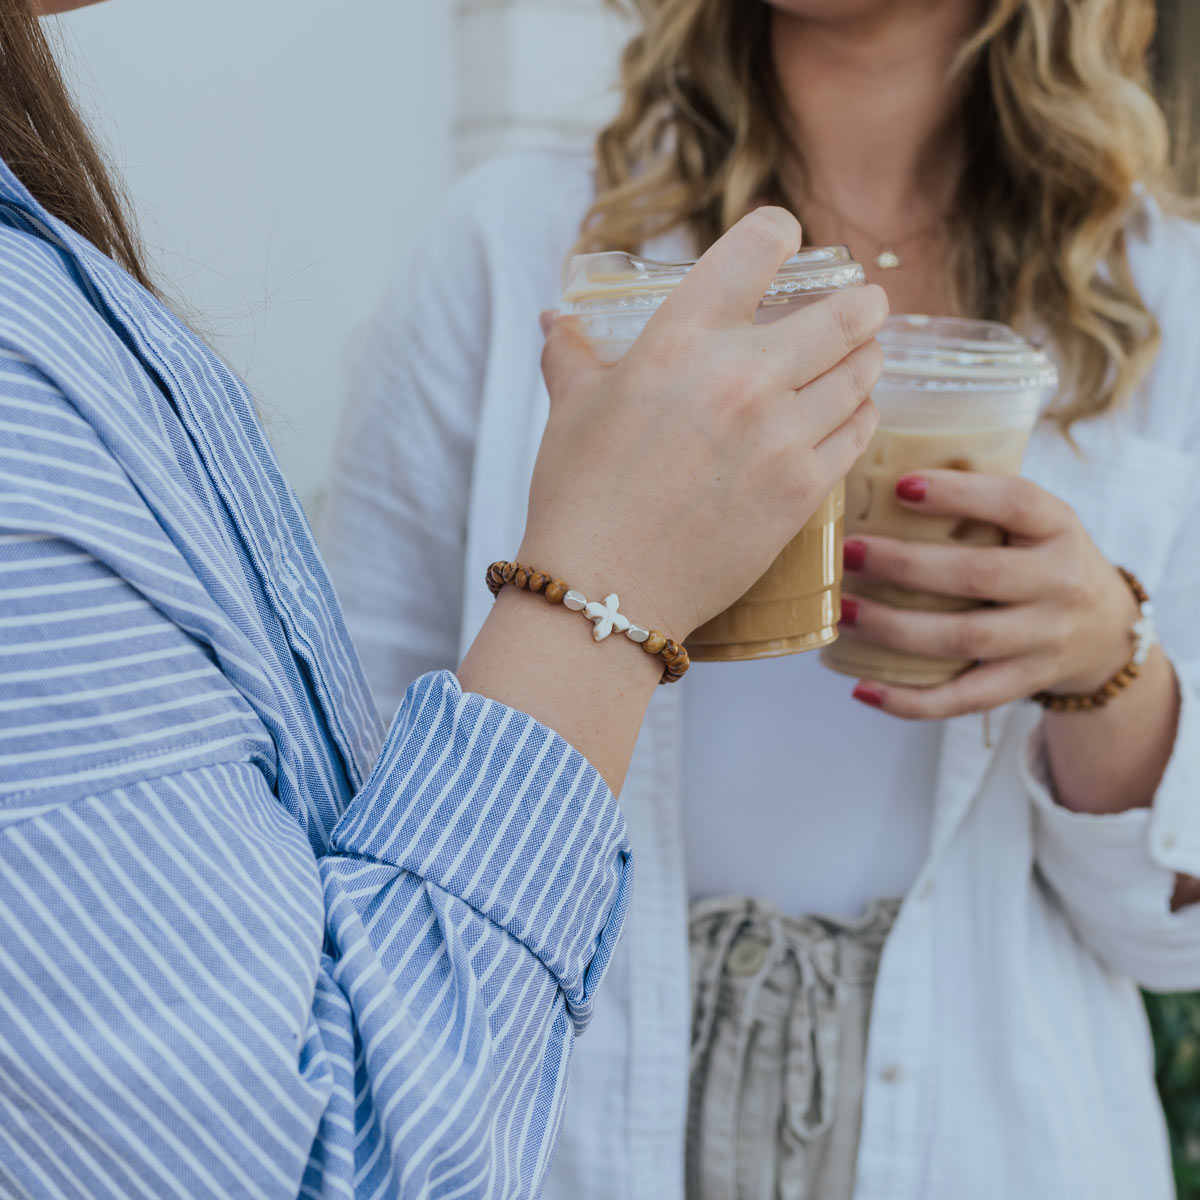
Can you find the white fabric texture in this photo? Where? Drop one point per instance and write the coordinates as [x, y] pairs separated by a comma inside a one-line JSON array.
[[1009, 1055]]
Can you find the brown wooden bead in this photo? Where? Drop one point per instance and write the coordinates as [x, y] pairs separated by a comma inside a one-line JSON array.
[[508, 572], [1135, 587], [495, 578], [655, 642], [556, 591], [538, 581], [521, 578], [1110, 690]]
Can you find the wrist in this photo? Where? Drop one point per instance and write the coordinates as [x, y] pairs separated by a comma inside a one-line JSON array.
[[539, 659], [597, 570], [1112, 651]]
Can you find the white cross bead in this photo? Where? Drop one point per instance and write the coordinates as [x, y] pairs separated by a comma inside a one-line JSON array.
[[1144, 634], [606, 617]]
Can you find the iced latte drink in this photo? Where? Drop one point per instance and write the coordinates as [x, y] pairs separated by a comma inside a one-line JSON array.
[[795, 606], [956, 394]]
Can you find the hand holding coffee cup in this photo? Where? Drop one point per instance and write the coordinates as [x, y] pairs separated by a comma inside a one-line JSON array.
[[1058, 614], [954, 394], [678, 472]]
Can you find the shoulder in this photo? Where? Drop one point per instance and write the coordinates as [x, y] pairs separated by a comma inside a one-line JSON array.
[[33, 268], [498, 242], [518, 212], [45, 312], [1164, 254], [1164, 257], [517, 194]]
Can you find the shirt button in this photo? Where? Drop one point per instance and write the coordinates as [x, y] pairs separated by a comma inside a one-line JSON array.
[[747, 956], [891, 1074]]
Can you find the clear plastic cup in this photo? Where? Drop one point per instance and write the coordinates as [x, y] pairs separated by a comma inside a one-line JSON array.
[[795, 606], [954, 393]]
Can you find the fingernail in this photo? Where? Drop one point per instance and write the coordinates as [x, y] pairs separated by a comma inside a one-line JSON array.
[[864, 693], [546, 320], [849, 611], [854, 554], [911, 488]]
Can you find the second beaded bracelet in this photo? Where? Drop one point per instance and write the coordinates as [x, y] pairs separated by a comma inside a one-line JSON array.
[[1143, 637], [604, 616]]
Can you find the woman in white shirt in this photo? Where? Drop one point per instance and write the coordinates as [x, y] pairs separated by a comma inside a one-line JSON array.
[[984, 1037]]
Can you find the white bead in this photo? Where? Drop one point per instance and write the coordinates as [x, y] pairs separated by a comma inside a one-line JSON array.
[[575, 601], [604, 616], [635, 633], [1144, 635]]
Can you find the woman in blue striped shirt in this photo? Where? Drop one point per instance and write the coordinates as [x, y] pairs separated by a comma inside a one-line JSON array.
[[251, 943]]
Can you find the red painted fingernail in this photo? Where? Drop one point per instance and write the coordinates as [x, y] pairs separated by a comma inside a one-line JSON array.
[[854, 554], [866, 694], [911, 488], [849, 611]]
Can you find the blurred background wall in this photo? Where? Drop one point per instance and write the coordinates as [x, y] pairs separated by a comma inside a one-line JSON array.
[[533, 73], [283, 153], [280, 154]]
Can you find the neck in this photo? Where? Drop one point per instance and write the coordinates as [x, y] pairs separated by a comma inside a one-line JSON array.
[[874, 122]]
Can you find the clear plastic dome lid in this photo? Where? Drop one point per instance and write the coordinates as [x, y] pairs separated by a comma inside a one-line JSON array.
[[951, 353], [615, 279]]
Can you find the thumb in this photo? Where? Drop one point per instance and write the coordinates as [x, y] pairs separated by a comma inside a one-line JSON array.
[[568, 359]]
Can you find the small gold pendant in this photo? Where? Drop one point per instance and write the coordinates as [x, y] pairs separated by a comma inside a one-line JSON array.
[[887, 259]]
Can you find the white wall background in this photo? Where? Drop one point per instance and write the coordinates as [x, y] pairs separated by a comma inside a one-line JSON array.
[[533, 72], [283, 153]]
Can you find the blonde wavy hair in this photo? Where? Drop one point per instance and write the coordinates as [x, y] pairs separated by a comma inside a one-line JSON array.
[[1062, 128]]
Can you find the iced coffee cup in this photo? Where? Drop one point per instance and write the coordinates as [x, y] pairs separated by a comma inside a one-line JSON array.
[[955, 394], [795, 606]]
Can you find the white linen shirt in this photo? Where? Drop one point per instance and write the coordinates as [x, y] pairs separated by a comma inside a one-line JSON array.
[[1009, 1055]]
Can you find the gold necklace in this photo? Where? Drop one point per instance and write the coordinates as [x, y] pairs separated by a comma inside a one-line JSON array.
[[887, 257]]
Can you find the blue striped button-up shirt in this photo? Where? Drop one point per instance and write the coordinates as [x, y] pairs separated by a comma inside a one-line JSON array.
[[251, 944]]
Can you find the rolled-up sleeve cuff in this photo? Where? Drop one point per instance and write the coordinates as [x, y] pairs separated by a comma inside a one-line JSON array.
[[487, 804], [1152, 845]]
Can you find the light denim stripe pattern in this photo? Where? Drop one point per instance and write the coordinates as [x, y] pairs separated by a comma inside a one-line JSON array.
[[252, 943]]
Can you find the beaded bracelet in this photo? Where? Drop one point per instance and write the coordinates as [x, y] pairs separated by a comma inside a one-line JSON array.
[[604, 616], [1144, 638]]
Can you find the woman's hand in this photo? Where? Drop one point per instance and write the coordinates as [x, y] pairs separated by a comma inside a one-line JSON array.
[[675, 476], [1059, 621], [1059, 614]]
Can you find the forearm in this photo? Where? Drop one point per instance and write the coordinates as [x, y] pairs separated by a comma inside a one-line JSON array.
[[1111, 759], [474, 894], [541, 660]]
